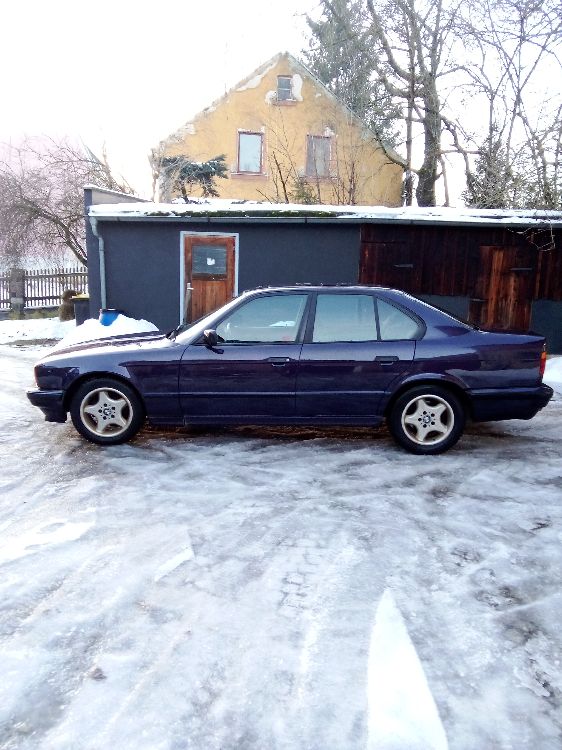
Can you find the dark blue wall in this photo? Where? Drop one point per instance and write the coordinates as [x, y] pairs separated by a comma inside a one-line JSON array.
[[143, 261], [546, 319]]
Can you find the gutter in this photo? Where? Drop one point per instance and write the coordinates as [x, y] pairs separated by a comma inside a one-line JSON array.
[[340, 220], [101, 248]]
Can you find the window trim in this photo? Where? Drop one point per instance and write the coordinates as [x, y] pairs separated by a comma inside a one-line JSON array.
[[262, 139]]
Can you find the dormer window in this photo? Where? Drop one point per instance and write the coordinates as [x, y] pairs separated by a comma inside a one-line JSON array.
[[284, 88]]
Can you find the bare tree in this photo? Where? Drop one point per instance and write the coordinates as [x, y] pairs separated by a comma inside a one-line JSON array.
[[472, 79], [405, 51], [41, 197], [515, 51], [413, 43], [342, 172]]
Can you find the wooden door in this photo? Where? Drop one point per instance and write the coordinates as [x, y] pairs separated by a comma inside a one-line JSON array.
[[209, 263], [507, 286]]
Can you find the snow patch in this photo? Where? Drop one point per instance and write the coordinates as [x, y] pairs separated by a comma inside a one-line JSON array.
[[402, 712], [29, 330], [296, 87], [553, 373], [254, 82], [404, 214], [92, 329], [55, 532], [184, 556]]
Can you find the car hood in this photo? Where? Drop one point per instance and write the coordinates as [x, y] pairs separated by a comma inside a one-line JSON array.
[[124, 342]]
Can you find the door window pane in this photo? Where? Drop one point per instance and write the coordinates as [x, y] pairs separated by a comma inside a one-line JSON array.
[[208, 260], [249, 152], [344, 317], [394, 324], [268, 320]]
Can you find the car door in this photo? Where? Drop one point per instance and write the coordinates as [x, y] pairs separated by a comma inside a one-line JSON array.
[[354, 350], [251, 374]]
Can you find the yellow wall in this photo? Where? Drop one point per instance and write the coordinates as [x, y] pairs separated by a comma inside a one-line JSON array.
[[252, 106]]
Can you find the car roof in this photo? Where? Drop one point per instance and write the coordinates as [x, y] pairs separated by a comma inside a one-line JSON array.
[[321, 288]]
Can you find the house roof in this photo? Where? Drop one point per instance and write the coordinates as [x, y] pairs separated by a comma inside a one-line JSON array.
[[241, 211], [254, 79]]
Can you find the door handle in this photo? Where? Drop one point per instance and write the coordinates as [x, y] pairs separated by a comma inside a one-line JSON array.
[[279, 361], [386, 360]]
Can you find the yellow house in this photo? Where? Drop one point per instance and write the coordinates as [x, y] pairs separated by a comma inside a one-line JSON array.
[[286, 138]]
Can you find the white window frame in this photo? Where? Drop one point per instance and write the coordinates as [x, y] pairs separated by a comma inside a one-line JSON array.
[[249, 132]]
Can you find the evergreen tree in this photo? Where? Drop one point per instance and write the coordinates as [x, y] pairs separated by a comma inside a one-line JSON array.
[[493, 183], [180, 175], [339, 56]]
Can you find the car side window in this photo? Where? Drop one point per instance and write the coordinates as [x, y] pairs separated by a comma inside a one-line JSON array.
[[344, 317], [265, 320], [394, 324]]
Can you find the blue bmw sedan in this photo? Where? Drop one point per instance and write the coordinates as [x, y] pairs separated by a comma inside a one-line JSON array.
[[301, 355]]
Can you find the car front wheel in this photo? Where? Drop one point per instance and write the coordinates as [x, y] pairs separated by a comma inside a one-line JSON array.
[[427, 420], [106, 411]]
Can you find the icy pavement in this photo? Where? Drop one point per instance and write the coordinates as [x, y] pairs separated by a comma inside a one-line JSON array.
[[277, 589]]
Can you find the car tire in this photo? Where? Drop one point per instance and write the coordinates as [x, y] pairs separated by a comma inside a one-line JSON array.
[[427, 420], [107, 411]]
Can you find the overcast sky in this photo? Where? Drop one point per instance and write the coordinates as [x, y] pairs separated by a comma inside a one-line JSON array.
[[127, 73]]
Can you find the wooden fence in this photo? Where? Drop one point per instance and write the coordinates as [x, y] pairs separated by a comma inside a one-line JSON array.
[[4, 292], [21, 289]]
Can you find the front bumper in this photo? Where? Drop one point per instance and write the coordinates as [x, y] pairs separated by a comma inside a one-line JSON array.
[[493, 404], [51, 404]]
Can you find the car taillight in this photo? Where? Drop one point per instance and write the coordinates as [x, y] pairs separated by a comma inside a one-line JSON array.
[[542, 364]]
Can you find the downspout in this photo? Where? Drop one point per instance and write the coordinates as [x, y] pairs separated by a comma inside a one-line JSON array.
[[101, 247]]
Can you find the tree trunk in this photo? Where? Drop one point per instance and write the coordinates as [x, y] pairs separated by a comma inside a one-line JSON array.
[[427, 174]]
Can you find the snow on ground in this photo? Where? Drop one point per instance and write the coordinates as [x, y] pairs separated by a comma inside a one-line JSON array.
[[553, 373], [277, 588], [67, 332], [34, 330], [92, 329]]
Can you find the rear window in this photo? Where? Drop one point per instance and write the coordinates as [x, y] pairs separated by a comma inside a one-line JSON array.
[[395, 324]]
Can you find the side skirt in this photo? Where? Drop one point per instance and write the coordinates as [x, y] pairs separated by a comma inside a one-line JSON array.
[[286, 421]]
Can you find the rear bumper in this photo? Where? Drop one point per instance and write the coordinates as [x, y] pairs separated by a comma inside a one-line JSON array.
[[492, 404], [50, 403]]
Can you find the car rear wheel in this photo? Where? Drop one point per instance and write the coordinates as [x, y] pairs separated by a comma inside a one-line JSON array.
[[106, 411], [427, 420]]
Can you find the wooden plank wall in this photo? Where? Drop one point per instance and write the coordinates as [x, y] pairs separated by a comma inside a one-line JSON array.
[[456, 261]]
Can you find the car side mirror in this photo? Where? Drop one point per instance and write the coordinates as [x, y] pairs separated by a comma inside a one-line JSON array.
[[210, 337]]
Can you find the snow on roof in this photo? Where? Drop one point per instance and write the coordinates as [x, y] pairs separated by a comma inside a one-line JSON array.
[[245, 209]]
